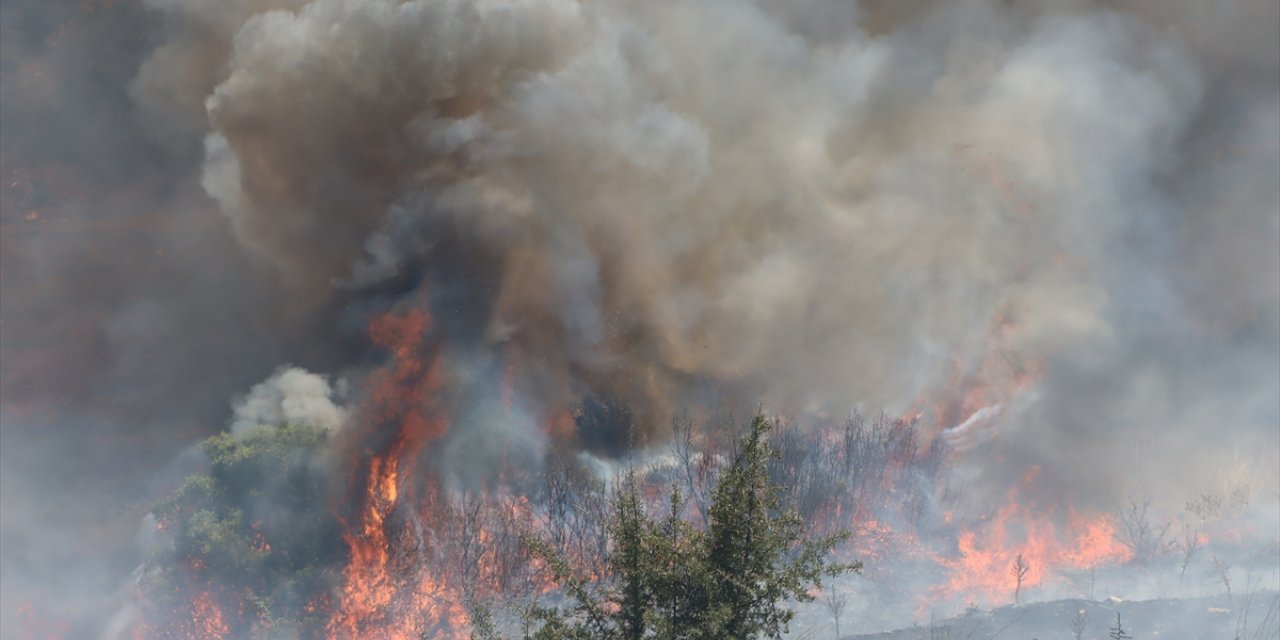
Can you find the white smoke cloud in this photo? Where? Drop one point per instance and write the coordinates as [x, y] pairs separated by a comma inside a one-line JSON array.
[[290, 396]]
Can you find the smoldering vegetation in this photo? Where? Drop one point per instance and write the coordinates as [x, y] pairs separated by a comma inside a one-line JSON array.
[[1062, 211], [252, 544]]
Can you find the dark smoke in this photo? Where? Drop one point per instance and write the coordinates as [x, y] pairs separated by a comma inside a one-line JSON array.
[[815, 204]]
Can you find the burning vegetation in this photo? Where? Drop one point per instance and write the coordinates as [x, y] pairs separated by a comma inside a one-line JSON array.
[[555, 319], [299, 531]]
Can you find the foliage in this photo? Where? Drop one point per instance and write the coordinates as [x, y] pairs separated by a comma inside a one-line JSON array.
[[255, 534], [670, 580], [257, 537]]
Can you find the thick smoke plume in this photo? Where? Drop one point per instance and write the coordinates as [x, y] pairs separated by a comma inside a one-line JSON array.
[[657, 205]]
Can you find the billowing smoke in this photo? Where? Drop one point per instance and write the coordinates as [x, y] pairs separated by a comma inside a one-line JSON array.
[[290, 396], [635, 200], [657, 205]]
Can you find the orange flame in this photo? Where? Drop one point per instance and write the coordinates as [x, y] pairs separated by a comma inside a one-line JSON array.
[[387, 593], [207, 619], [980, 569]]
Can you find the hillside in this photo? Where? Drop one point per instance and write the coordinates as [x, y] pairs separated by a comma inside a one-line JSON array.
[[1254, 617]]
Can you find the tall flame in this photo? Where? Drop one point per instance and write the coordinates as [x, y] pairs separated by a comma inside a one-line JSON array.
[[399, 416]]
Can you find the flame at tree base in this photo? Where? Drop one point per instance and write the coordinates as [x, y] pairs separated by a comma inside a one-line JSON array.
[[389, 590], [981, 569], [417, 553]]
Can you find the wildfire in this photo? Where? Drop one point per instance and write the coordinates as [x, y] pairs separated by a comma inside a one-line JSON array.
[[207, 619], [417, 552], [875, 540], [369, 587], [388, 592], [980, 569]]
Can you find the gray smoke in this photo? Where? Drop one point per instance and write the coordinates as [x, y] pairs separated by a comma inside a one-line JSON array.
[[814, 205]]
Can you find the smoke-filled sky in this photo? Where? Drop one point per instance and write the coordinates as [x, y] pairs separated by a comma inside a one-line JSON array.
[[816, 205]]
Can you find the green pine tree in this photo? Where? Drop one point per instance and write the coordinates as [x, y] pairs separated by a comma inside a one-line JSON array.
[[673, 581]]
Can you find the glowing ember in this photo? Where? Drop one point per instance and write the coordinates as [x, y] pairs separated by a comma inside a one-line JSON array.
[[207, 619]]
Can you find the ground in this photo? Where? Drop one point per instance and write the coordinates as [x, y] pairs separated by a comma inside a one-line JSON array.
[[1243, 618]]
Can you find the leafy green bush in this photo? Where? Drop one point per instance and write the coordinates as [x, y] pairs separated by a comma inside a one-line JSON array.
[[256, 537]]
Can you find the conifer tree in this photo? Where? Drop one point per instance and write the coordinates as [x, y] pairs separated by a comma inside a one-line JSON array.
[[671, 580]]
